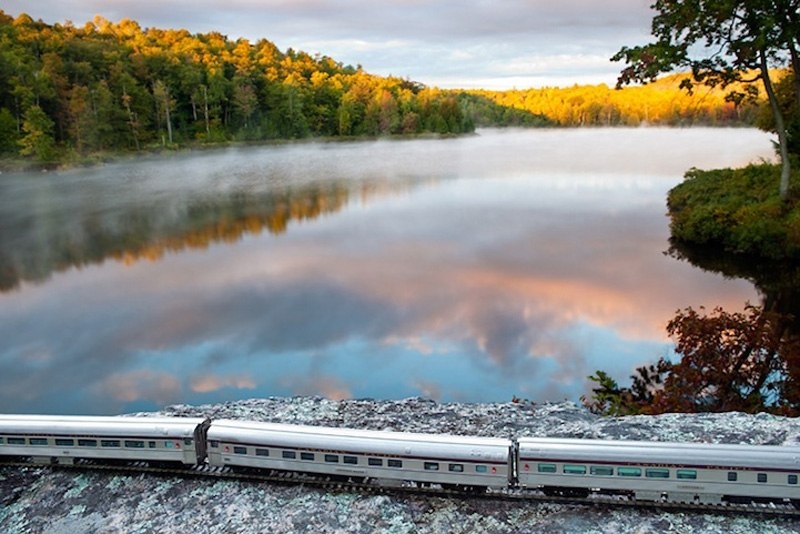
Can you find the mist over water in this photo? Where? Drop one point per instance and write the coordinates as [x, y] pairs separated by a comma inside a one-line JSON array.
[[507, 263]]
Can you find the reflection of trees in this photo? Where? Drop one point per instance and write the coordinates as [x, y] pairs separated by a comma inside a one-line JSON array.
[[131, 233], [729, 361], [777, 281]]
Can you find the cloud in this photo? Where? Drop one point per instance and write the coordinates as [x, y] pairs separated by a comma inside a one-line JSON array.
[[428, 389], [207, 383], [478, 272], [330, 387], [457, 42], [155, 386]]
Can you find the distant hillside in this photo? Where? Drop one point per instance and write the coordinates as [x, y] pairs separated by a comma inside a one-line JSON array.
[[662, 102]]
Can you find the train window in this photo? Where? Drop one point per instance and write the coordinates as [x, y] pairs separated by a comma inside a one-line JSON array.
[[64, 442], [480, 469], [16, 441], [332, 458], [87, 443], [375, 462], [352, 460], [262, 452], [169, 444], [574, 469], [109, 443], [1, 441], [601, 470], [38, 441], [289, 455], [187, 441], [629, 471], [546, 468], [656, 473], [431, 466], [395, 463], [792, 480], [687, 474], [309, 456], [151, 444], [213, 443], [733, 476], [239, 450], [456, 468], [762, 478], [134, 444]]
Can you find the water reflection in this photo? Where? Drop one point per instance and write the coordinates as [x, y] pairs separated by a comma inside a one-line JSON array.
[[35, 244], [511, 263], [778, 282]]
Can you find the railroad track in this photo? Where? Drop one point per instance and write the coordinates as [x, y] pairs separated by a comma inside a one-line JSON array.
[[410, 489]]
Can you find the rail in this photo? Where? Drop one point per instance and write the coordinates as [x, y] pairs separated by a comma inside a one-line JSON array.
[[410, 489]]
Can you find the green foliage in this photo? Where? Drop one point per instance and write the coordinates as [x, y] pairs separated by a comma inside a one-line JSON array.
[[484, 109], [606, 397], [785, 90], [8, 132], [609, 398], [107, 87], [37, 140], [737, 209]]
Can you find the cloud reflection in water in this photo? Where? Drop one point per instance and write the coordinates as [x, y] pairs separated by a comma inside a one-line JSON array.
[[473, 269]]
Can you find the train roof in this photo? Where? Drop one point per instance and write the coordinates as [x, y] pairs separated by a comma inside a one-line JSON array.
[[362, 441], [176, 427], [659, 452]]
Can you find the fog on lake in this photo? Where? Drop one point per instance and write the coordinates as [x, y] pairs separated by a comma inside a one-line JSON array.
[[510, 263]]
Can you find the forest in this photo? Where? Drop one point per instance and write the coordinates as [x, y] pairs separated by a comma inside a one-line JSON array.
[[71, 94], [660, 103]]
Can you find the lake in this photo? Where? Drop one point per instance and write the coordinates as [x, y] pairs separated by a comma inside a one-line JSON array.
[[509, 263]]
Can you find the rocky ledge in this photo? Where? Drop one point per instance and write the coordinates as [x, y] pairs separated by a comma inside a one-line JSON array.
[[36, 500]]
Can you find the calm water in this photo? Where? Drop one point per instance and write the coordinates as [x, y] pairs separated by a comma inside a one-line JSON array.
[[473, 269]]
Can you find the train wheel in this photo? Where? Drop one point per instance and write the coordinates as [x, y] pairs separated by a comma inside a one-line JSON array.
[[561, 491]]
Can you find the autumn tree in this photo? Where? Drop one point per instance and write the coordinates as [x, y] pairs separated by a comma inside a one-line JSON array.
[[729, 361], [722, 42], [742, 361]]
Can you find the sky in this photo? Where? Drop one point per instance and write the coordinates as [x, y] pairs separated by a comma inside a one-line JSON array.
[[490, 44]]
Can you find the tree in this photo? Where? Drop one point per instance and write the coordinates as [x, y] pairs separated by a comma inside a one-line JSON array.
[[38, 139], [245, 101], [8, 132], [744, 361], [165, 104], [723, 42], [730, 361]]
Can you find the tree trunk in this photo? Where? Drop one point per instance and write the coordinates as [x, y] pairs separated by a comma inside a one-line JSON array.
[[166, 110], [205, 109], [126, 100], [780, 126]]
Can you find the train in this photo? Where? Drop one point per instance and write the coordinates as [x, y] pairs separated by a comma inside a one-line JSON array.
[[644, 471]]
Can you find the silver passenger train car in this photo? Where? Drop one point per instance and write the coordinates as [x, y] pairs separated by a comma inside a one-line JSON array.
[[655, 471], [644, 471], [457, 461], [61, 439]]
